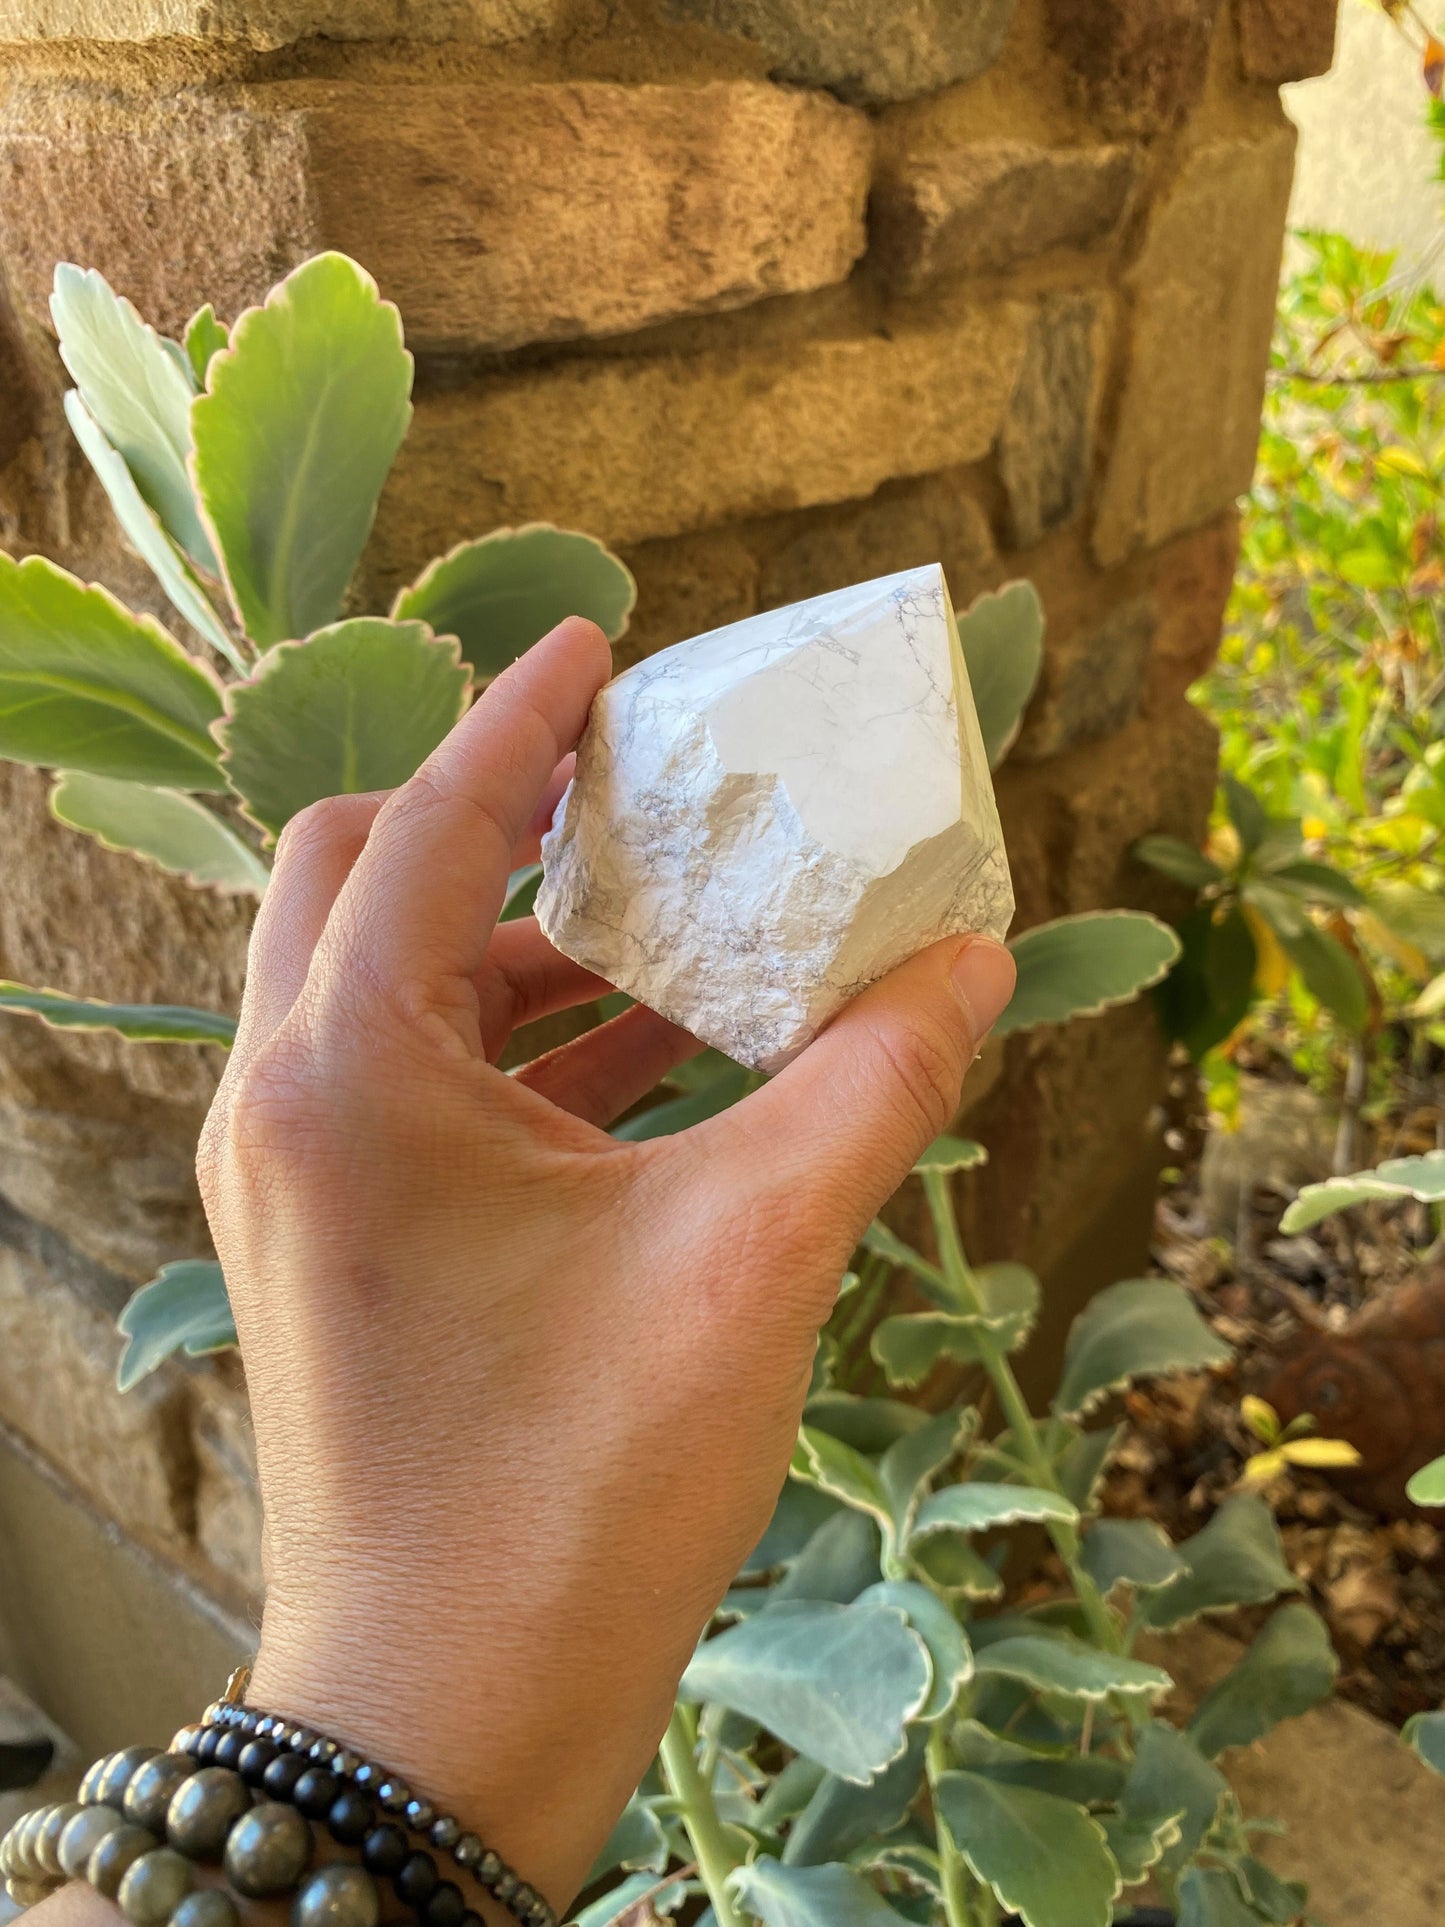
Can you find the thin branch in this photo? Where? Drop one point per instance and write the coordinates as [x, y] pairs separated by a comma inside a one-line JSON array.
[[1365, 378]]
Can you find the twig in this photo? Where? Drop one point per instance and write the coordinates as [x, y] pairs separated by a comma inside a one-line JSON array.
[[1361, 378]]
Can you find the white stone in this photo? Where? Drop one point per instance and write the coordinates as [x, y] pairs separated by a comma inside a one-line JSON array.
[[770, 817]]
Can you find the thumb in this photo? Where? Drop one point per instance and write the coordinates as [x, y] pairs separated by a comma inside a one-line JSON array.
[[849, 1117]]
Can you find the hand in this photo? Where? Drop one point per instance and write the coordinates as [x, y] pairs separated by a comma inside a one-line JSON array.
[[524, 1396]]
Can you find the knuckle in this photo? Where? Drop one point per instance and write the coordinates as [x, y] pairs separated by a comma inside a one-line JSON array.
[[316, 826]]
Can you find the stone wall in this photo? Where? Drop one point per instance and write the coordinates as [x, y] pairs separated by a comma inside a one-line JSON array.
[[771, 295]]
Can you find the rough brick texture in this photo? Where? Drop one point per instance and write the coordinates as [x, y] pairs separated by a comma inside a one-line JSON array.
[[1139, 65], [275, 23], [1283, 40], [493, 215]]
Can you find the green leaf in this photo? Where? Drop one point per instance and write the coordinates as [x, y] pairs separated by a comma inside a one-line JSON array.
[[1085, 1778], [1425, 1734], [979, 1507], [145, 534], [951, 1154], [1318, 883], [800, 1510], [837, 1683], [1290, 1667], [1246, 813], [839, 1817], [948, 1649], [1178, 861], [867, 1424], [168, 829], [1416, 915], [1210, 1897], [501, 594], [1209, 991], [1428, 1485], [681, 1113], [637, 1843], [303, 415], [843, 1472], [84, 684], [951, 1564], [838, 1563], [143, 1023], [1236, 1560], [1141, 1328], [183, 1309], [1079, 966], [138, 392], [883, 1243], [1280, 1901], [1170, 1780], [1330, 973], [1045, 1858], [910, 1345], [912, 1462], [356, 707], [1416, 1177], [1002, 637], [616, 1907], [205, 336], [522, 887], [1130, 1552], [1136, 1846], [1060, 1663], [810, 1896]]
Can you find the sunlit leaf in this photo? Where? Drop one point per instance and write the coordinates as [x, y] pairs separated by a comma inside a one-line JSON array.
[[183, 1309], [143, 1023], [1002, 635], [1420, 1177], [173, 831], [1081, 965], [1141, 1328]]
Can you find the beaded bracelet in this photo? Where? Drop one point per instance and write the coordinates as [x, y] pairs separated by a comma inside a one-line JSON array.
[[198, 1799]]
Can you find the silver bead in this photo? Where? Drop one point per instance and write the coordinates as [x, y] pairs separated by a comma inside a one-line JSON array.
[[268, 1850], [82, 1835], [203, 1809], [445, 1833], [345, 1763], [152, 1788], [207, 1907], [119, 1770], [337, 1896], [88, 1792], [468, 1850], [115, 1856], [47, 1839], [154, 1886]]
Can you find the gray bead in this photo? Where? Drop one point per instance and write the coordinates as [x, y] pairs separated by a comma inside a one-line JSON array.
[[203, 1810], [207, 1907], [505, 1886], [82, 1835], [154, 1886], [89, 1791], [47, 1839], [115, 1856], [445, 1832], [152, 1788], [468, 1850], [268, 1850], [337, 1896], [119, 1769], [28, 1893]]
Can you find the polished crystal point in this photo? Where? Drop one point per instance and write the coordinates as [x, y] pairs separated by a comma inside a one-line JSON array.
[[771, 816]]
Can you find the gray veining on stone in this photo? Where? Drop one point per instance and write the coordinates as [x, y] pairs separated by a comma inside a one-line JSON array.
[[769, 817]]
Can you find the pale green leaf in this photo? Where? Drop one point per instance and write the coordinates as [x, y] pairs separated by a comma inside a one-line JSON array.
[[952, 1565], [139, 393], [143, 530], [948, 1648], [843, 1472], [1425, 1733], [1279, 1901], [502, 593], [1130, 1552], [1236, 1560], [810, 1896], [838, 1817], [979, 1507], [1428, 1485], [1060, 1663], [1080, 965], [681, 1113], [616, 1908], [1210, 1897], [886, 1244], [1290, 1667], [356, 707], [1178, 861], [867, 1424], [839, 1562], [909, 1345], [522, 887], [1137, 1846], [838, 1683], [1330, 973], [1415, 1177], [1087, 1778], [1171, 1782], [952, 1154], [637, 1843], [205, 336], [183, 1309], [1002, 636], [908, 1466], [143, 1023], [1045, 1858], [1141, 1328], [303, 414], [84, 684], [163, 826], [800, 1510]]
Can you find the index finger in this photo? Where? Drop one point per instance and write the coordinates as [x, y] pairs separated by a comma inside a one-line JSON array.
[[423, 897]]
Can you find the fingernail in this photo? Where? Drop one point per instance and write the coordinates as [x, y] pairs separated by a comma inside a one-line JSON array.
[[983, 977]]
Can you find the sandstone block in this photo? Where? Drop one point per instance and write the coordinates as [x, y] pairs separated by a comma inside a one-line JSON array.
[[992, 204], [1283, 40], [1204, 299], [686, 584], [1193, 577], [19, 408], [493, 214], [1139, 65], [1046, 450], [275, 23], [58, 1353], [1091, 684], [863, 51], [644, 446]]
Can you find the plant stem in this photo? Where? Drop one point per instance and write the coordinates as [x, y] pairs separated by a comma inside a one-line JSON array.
[[953, 1874], [1014, 1406], [699, 1815]]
